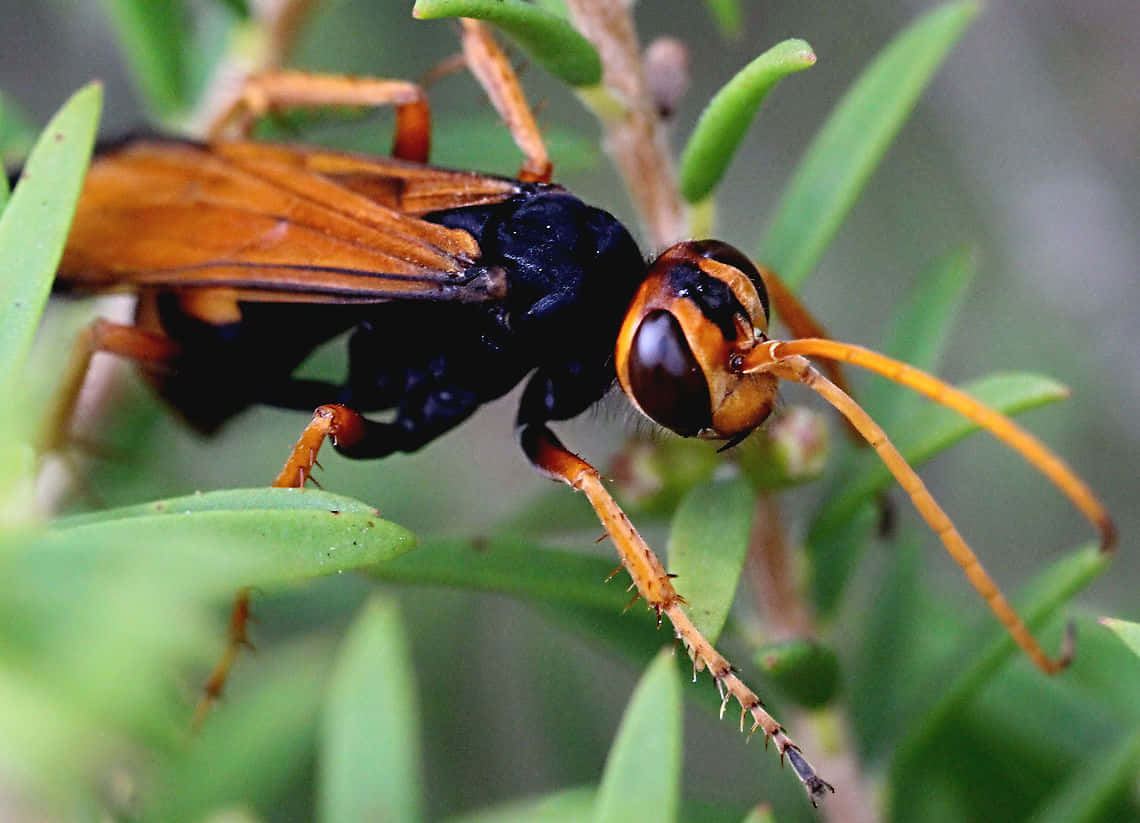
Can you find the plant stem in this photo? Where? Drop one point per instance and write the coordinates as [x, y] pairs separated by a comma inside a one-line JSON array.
[[826, 732], [262, 45], [634, 134]]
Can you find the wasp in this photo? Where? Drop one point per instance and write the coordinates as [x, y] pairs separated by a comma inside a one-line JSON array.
[[454, 287]]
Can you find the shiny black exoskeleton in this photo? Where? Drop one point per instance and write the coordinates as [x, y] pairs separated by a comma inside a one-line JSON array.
[[571, 271]]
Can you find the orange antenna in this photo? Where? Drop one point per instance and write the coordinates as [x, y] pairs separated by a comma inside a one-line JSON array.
[[786, 359]]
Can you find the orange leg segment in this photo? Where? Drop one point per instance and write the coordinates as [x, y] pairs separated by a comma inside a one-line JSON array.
[[1017, 438], [344, 427], [784, 360], [263, 93], [237, 639], [145, 347], [800, 322], [655, 586], [494, 72]]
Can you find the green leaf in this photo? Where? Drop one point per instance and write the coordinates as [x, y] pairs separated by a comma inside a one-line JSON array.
[[17, 134], [369, 766], [835, 536], [557, 7], [642, 778], [238, 7], [510, 566], [1126, 630], [549, 512], [275, 545], [260, 498], [888, 638], [562, 806], [707, 546], [155, 36], [726, 118], [253, 747], [1046, 595], [653, 474], [805, 670], [934, 431], [548, 38], [33, 227], [916, 337], [849, 146], [76, 613], [1085, 797], [56, 739], [485, 144], [761, 814], [919, 331], [728, 15]]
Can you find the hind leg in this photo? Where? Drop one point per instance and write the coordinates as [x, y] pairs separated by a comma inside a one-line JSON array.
[[153, 350], [274, 91]]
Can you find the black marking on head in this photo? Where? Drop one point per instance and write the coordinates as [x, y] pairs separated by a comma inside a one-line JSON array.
[[722, 252], [712, 296]]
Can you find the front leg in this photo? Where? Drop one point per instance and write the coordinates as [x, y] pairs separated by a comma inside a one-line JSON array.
[[547, 398], [553, 459], [421, 419]]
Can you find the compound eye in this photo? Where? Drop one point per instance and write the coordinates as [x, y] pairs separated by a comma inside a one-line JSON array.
[[665, 378]]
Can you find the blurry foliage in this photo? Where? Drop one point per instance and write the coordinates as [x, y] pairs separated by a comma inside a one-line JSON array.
[[108, 620]]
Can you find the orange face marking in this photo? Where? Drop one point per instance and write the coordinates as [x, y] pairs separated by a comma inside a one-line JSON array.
[[737, 402]]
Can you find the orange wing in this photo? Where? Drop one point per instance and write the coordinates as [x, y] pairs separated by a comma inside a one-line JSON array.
[[270, 222]]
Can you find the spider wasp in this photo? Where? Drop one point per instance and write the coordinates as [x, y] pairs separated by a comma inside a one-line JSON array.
[[455, 287]]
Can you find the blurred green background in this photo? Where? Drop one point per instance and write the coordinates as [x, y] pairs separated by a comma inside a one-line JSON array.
[[1024, 149]]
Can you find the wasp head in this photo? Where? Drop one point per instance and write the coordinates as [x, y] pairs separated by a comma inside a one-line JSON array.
[[701, 307]]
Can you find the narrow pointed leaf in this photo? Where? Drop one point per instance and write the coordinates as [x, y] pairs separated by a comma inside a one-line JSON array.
[[274, 546], [642, 778], [707, 546], [511, 566], [549, 513], [917, 337], [262, 498], [17, 135], [937, 429], [254, 747], [729, 16], [726, 118], [920, 329], [1046, 595], [33, 227], [369, 767], [1126, 630], [847, 149], [155, 36], [761, 814], [547, 38], [835, 538], [483, 144], [1087, 795], [76, 614], [562, 806], [238, 7], [887, 643]]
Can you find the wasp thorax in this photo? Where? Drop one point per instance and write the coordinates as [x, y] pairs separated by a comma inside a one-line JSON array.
[[701, 303]]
